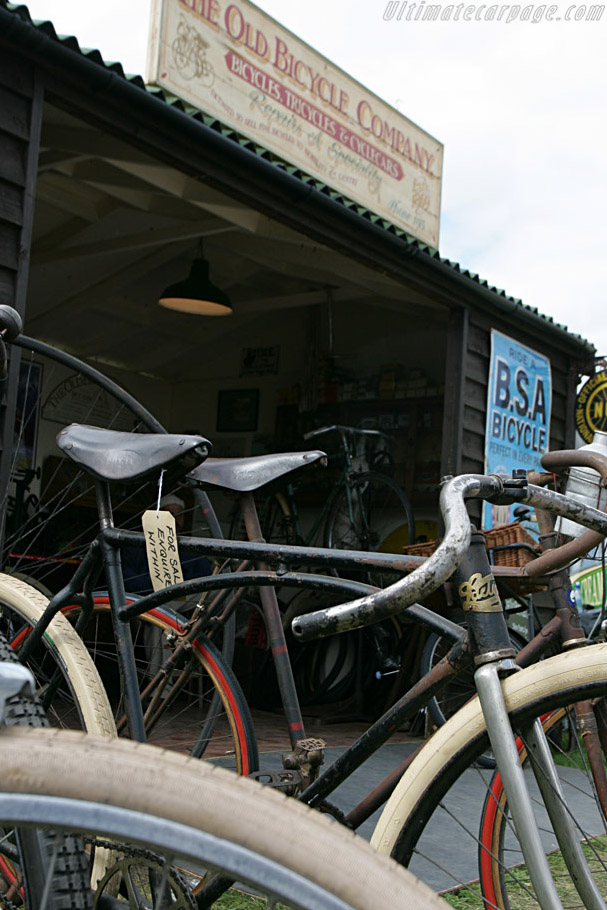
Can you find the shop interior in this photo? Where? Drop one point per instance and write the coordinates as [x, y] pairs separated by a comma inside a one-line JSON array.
[[315, 338]]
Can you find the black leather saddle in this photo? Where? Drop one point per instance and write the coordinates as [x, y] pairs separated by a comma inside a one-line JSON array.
[[245, 474], [127, 457]]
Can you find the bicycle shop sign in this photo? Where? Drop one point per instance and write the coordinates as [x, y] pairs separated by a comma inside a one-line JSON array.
[[519, 401], [232, 61]]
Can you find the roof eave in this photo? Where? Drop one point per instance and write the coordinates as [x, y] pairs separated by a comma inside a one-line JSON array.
[[274, 185]]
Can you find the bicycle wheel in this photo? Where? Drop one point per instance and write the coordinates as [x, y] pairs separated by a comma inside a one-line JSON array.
[[166, 813], [26, 854], [199, 707], [372, 513], [355, 664], [500, 886], [50, 501], [432, 820], [61, 662], [75, 688], [275, 519]]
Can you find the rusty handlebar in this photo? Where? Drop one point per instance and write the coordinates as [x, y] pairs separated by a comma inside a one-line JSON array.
[[440, 565]]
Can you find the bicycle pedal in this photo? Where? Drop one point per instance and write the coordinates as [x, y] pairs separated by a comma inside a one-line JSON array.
[[311, 744], [289, 780]]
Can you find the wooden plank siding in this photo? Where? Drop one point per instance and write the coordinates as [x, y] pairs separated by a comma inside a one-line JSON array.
[[20, 116], [475, 368], [21, 98]]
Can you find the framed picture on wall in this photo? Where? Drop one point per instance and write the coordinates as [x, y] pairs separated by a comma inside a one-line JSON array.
[[237, 410]]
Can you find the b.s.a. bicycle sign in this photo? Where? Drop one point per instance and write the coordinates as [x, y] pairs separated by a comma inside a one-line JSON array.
[[519, 401]]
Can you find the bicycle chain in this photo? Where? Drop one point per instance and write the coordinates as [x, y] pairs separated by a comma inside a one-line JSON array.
[[6, 902], [336, 813], [129, 851], [125, 850]]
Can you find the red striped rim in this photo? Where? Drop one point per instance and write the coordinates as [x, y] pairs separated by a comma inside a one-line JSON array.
[[486, 845], [218, 674]]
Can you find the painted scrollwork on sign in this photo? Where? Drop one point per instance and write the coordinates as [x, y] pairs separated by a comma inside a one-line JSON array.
[[189, 54], [479, 593]]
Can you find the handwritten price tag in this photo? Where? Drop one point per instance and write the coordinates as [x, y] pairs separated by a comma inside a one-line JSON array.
[[162, 551]]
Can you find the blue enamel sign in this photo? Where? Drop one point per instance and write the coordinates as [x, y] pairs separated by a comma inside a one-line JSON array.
[[519, 400]]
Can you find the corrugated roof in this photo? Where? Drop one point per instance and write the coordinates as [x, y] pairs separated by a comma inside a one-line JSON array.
[[94, 55]]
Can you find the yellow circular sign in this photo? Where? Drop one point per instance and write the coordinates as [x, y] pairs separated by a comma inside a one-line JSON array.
[[591, 407]]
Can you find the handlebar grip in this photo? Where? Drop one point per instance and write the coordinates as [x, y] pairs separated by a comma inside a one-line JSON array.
[[11, 325]]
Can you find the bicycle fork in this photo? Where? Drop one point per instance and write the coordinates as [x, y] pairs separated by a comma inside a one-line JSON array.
[[494, 659]]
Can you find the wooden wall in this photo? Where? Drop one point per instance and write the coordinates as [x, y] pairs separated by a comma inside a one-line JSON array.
[[20, 119], [470, 348]]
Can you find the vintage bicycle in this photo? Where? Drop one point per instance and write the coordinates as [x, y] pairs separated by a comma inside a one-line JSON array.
[[365, 508], [584, 667], [572, 677], [54, 787], [140, 838]]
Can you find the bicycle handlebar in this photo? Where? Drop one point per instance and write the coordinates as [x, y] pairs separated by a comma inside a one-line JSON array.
[[576, 458], [343, 429], [441, 564], [567, 553], [10, 327]]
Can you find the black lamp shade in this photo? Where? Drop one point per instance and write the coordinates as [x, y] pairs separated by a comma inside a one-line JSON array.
[[196, 294]]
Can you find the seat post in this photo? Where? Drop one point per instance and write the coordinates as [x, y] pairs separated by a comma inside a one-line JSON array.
[[122, 630], [104, 504], [274, 629]]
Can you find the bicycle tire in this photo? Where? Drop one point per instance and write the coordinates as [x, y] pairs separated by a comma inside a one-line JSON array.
[[326, 670], [495, 823], [224, 732], [21, 607], [89, 707], [429, 784], [305, 859], [275, 520], [37, 848], [382, 521], [49, 541]]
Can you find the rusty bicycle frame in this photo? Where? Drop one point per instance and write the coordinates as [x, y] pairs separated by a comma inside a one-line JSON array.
[[275, 566]]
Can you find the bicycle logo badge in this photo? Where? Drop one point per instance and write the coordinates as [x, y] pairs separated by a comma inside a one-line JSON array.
[[189, 55], [479, 593], [591, 407]]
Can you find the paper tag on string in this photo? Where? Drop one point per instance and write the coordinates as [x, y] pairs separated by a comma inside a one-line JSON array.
[[161, 547]]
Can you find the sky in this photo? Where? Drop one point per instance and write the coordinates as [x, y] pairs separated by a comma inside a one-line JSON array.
[[518, 100]]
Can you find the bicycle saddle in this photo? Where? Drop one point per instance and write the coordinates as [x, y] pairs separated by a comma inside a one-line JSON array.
[[125, 457], [245, 474]]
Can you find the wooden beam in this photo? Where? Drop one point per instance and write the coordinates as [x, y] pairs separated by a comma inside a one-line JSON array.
[[154, 237]]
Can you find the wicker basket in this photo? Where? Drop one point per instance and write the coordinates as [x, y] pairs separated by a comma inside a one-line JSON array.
[[509, 545]]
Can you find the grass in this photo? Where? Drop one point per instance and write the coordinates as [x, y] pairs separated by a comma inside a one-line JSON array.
[[518, 894], [240, 900], [465, 898]]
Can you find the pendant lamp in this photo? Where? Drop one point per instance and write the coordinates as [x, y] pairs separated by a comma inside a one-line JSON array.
[[197, 294]]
